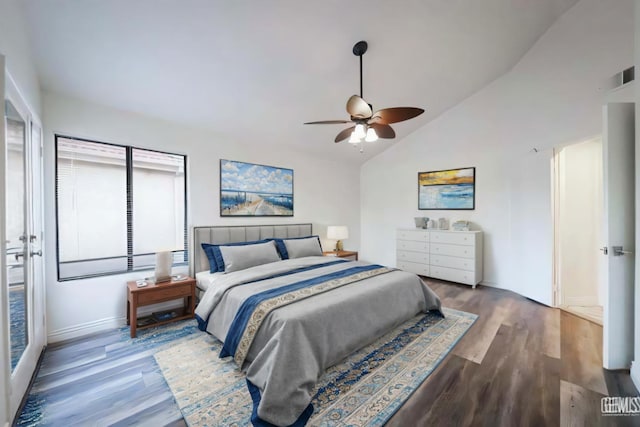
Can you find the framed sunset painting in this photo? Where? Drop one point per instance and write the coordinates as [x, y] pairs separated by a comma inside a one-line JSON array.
[[453, 189], [248, 189]]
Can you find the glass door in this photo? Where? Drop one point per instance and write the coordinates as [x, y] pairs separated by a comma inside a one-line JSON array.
[[22, 241], [16, 232]]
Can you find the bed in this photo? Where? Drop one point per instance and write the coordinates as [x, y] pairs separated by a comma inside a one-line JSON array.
[[285, 322]]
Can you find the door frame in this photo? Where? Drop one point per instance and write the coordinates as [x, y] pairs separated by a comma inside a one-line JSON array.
[[556, 191], [18, 381]]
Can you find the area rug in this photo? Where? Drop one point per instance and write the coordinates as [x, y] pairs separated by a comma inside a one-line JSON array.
[[365, 389]]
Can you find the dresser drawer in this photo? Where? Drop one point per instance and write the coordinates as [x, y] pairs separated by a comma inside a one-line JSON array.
[[416, 235], [452, 275], [159, 295], [419, 257], [413, 267], [467, 264], [454, 238], [452, 250], [410, 245]]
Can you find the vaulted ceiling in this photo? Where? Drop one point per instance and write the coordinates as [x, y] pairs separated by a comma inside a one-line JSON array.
[[253, 71]]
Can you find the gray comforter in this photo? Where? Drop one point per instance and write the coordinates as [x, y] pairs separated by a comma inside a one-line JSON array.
[[298, 342]]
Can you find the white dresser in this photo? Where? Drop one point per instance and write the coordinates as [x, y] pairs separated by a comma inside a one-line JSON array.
[[455, 256]]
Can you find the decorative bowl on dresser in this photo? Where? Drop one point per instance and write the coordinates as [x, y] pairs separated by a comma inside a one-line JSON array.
[[455, 256]]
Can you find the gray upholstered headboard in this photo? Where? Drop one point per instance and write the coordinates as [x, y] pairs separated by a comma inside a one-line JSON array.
[[219, 235]]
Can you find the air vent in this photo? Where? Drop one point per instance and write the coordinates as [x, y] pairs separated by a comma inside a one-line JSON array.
[[628, 75], [618, 80]]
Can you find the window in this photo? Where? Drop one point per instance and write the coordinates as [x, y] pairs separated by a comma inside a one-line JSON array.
[[116, 207]]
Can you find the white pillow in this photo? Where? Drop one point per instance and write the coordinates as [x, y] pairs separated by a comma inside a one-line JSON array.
[[238, 258], [298, 248]]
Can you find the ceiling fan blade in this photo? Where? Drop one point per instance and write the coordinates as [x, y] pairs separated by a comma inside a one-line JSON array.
[[383, 130], [328, 122], [344, 134], [358, 108], [396, 114]]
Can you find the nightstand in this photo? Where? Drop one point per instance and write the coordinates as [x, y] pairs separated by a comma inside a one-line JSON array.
[[161, 292], [342, 254]]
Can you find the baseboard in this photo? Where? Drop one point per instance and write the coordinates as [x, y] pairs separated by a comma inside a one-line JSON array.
[[76, 331], [490, 284], [635, 374], [581, 301], [88, 328]]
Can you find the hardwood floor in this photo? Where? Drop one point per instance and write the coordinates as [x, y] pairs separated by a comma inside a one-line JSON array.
[[521, 364]]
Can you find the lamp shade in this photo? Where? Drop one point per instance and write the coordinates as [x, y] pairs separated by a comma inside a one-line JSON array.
[[337, 232]]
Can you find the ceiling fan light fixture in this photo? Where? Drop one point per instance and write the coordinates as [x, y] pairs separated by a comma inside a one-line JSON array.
[[360, 131], [354, 139], [371, 135], [363, 117]]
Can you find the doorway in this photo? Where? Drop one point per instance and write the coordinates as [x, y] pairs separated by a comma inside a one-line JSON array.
[[579, 224], [23, 277]]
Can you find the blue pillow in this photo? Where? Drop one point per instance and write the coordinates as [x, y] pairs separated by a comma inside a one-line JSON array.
[[208, 250], [216, 261], [282, 248]]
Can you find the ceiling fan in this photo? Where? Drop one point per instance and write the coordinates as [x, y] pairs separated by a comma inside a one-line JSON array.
[[369, 126]]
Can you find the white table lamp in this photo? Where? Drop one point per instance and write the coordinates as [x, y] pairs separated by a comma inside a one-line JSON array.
[[338, 233]]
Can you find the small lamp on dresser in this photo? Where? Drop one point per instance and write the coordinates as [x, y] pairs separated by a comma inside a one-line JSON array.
[[338, 233]]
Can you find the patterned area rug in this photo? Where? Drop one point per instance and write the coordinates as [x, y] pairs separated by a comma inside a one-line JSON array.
[[365, 389]]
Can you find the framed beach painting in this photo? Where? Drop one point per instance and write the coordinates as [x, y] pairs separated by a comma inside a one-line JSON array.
[[453, 189], [247, 189]]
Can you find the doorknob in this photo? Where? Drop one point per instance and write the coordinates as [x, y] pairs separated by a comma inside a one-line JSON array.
[[18, 255], [617, 251], [38, 252], [605, 250]]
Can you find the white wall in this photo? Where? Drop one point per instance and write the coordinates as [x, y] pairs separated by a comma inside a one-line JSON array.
[[326, 193], [550, 97], [580, 224], [14, 45]]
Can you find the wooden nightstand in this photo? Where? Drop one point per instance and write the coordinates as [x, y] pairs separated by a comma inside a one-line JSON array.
[[342, 254], [161, 292]]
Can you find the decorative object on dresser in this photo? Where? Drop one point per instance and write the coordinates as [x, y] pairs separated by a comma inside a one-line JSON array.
[[248, 189], [452, 189], [342, 254], [338, 233], [455, 256], [460, 225], [421, 221], [153, 293], [443, 224]]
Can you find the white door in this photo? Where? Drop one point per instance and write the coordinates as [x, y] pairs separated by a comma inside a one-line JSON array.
[[619, 218], [22, 241]]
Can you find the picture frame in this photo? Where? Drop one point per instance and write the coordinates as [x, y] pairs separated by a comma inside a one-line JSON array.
[[255, 190], [448, 189]]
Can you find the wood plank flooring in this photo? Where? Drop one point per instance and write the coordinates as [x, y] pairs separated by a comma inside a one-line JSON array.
[[521, 364], [589, 312]]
